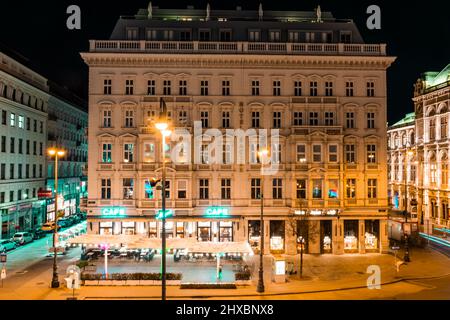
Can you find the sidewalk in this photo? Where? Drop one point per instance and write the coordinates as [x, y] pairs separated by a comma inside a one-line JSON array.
[[323, 273]]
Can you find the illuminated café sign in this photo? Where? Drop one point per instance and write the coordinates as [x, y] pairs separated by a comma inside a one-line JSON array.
[[300, 212], [316, 212], [332, 212], [113, 211], [169, 213], [217, 212]]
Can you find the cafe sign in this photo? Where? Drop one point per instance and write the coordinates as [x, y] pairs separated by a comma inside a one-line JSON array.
[[217, 212], [113, 211]]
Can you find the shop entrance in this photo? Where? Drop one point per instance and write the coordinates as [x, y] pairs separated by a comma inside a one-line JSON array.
[[351, 236], [372, 235], [326, 236], [204, 231], [277, 236]]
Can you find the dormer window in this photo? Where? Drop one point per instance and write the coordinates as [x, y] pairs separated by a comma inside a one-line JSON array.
[[275, 35], [294, 36], [168, 35], [185, 35], [151, 34], [204, 35], [132, 33], [254, 35], [225, 35], [346, 37]]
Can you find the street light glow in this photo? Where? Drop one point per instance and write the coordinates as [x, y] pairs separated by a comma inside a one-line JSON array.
[[161, 126]]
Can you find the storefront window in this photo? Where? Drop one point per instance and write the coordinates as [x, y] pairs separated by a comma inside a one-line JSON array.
[[351, 235], [333, 189], [180, 229], [152, 229], [317, 189], [254, 233], [106, 228], [204, 231], [169, 229], [372, 228], [128, 228], [277, 235], [302, 235], [326, 236], [225, 231]]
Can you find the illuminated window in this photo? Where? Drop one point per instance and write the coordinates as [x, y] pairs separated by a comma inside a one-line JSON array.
[[256, 188], [301, 189], [333, 153], [301, 153], [317, 185], [333, 189], [351, 188], [107, 152], [128, 151], [371, 153], [128, 188], [372, 188]]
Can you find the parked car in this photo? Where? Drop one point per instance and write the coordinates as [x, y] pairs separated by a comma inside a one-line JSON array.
[[22, 238], [6, 245], [73, 219], [38, 234], [49, 226], [64, 222]]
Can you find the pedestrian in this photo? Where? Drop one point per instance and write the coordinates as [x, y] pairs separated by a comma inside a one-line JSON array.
[[220, 272]]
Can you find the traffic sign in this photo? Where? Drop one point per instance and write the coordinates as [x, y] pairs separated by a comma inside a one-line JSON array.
[[3, 275], [3, 258]]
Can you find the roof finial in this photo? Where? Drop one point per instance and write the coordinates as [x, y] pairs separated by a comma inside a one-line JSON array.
[[319, 14], [260, 11], [208, 12], [150, 10]]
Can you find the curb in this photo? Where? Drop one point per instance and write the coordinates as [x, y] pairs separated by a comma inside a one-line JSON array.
[[272, 294]]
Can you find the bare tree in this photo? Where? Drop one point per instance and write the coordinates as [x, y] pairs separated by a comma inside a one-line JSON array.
[[304, 232]]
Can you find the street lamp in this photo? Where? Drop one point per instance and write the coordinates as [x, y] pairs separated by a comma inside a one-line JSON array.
[[406, 258], [162, 125], [261, 154], [57, 153]]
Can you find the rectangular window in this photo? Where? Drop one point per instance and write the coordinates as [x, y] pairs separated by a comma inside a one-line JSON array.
[[151, 34], [41, 146], [329, 118], [226, 87], [328, 88], [226, 119], [204, 188], [317, 189], [254, 147], [301, 153], [132, 33], [3, 171], [21, 122], [256, 188], [277, 189], [301, 189], [204, 153], [168, 35], [128, 188], [277, 120], [317, 153], [185, 36], [371, 89], [2, 197], [28, 124], [293, 36], [129, 87], [333, 153], [4, 117], [182, 88], [34, 170], [106, 189], [276, 153], [350, 154], [107, 86], [310, 36], [107, 117], [27, 171], [128, 150], [254, 35], [204, 87], [371, 120], [226, 189], [167, 87], [182, 117], [351, 188], [333, 189], [35, 147], [11, 171], [151, 87], [12, 120], [41, 127], [107, 152], [371, 153], [349, 88], [182, 189], [255, 87], [298, 118], [275, 36], [19, 171], [204, 35], [276, 88], [226, 153], [28, 146], [129, 118], [255, 119], [372, 188], [225, 35], [313, 118], [297, 88], [204, 118], [40, 171], [346, 37], [313, 88], [35, 125], [3, 146], [149, 152], [350, 120], [12, 145]]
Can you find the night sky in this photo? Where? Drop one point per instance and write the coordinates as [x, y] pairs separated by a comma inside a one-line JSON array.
[[417, 32]]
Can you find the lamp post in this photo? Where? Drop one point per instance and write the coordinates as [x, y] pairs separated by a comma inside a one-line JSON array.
[[162, 125], [406, 257], [56, 153], [261, 154]]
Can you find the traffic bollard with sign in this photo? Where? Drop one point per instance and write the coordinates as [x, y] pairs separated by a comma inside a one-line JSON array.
[[3, 274], [73, 279]]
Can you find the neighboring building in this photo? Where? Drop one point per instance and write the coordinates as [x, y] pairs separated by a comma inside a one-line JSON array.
[[315, 81], [425, 139], [24, 96], [67, 129]]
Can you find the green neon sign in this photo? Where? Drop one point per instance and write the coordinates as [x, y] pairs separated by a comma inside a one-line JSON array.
[[217, 212], [113, 211], [169, 213]]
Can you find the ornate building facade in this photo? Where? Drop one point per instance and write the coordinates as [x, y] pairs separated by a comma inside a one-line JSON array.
[[312, 79], [420, 143]]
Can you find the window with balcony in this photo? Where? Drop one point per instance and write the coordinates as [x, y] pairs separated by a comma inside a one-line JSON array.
[[275, 36], [168, 35], [254, 35], [185, 35], [225, 35], [151, 35], [204, 35], [132, 33], [294, 36], [329, 118], [345, 37]]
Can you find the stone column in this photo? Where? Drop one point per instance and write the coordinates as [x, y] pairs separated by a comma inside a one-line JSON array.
[[338, 236], [266, 236], [362, 236], [240, 230], [383, 237], [314, 242]]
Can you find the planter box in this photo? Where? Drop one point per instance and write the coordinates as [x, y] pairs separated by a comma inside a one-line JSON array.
[[132, 282], [243, 282]]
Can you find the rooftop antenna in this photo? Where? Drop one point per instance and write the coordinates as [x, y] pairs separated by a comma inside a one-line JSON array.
[[260, 11], [319, 14], [208, 12], [150, 10]]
